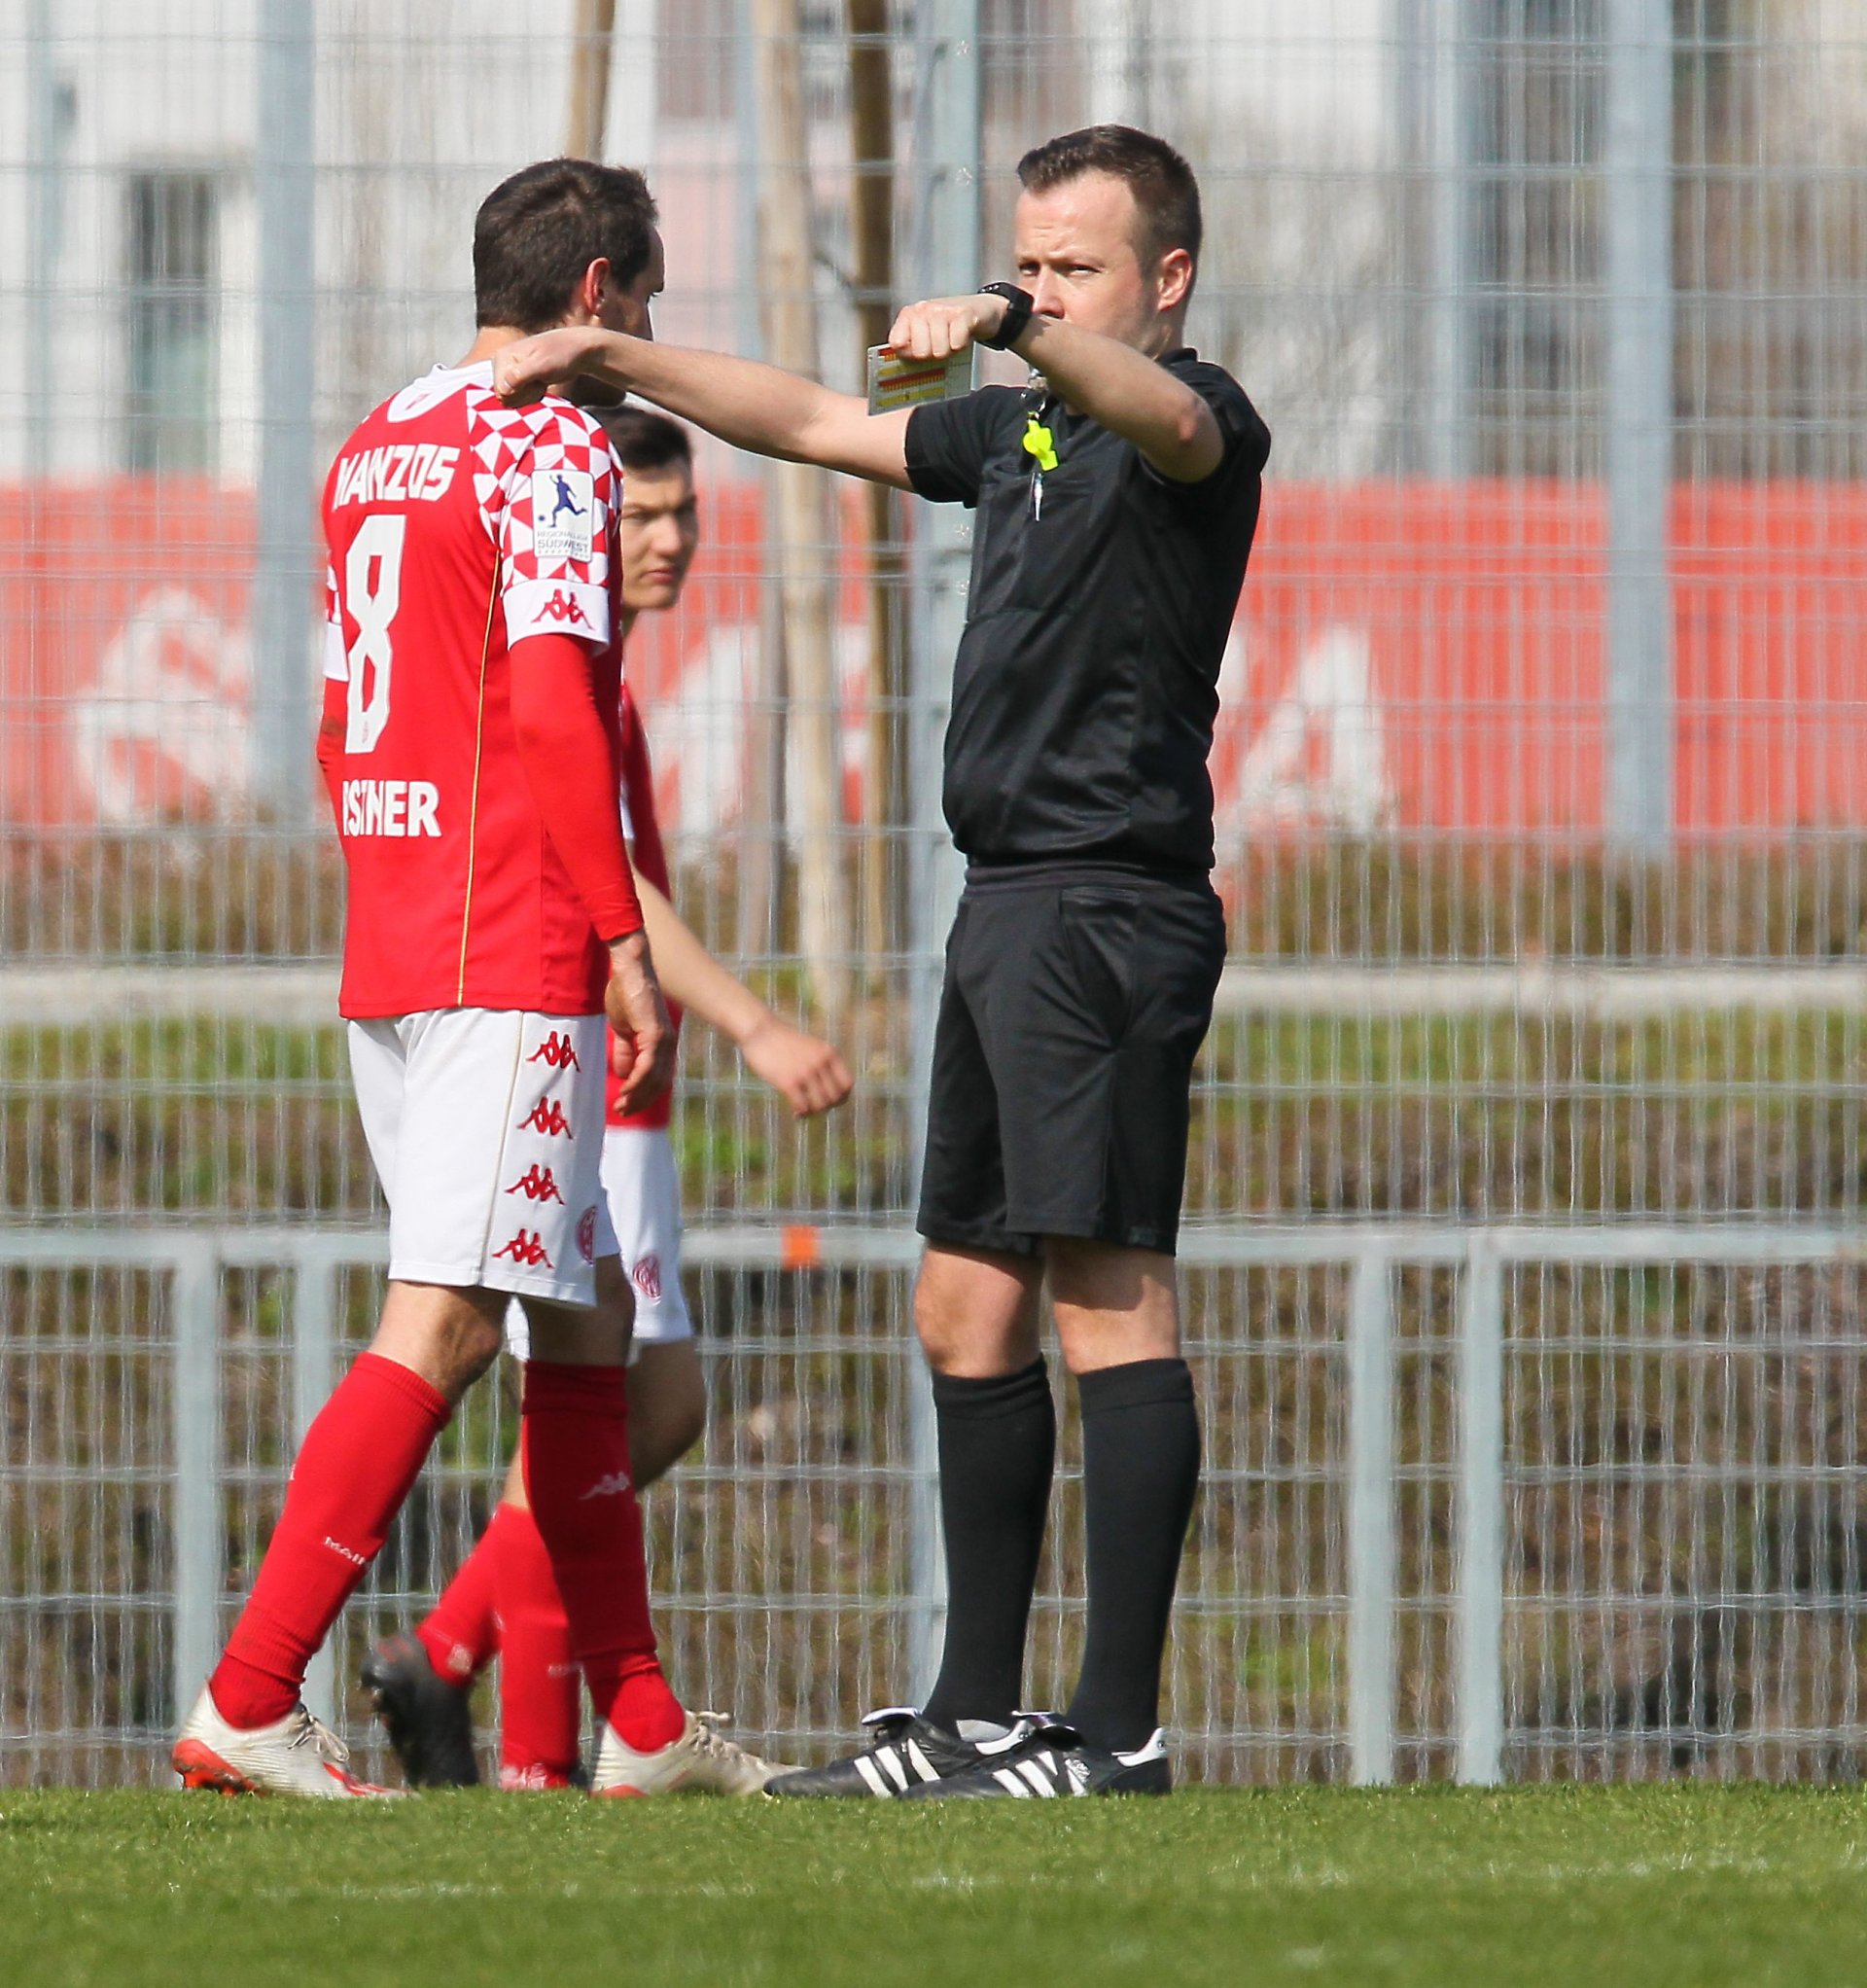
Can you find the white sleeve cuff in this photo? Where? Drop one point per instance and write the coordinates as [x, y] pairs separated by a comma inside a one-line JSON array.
[[557, 607]]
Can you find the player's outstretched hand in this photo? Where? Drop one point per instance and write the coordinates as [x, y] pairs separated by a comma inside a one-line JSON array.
[[806, 1073], [641, 1040], [944, 325], [527, 369]]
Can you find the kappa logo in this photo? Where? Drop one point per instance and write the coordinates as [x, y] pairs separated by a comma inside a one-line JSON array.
[[548, 1116], [587, 1235], [611, 1486], [539, 1184], [647, 1277], [567, 607], [556, 1050], [527, 1248]]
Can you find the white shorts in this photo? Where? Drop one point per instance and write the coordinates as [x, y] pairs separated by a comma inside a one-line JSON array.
[[642, 1191], [485, 1126]]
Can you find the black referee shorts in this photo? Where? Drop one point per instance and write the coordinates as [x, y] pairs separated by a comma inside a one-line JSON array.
[[1071, 1015]]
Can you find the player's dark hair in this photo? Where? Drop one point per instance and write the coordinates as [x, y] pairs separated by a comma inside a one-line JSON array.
[[536, 232], [643, 441], [1166, 193]]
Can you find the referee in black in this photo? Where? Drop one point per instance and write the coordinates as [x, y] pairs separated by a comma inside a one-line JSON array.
[[1117, 499]]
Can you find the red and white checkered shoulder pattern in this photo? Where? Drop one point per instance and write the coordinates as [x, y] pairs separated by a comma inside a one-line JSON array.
[[546, 484]]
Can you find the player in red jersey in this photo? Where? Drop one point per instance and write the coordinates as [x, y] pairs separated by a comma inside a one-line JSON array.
[[498, 1602], [469, 743]]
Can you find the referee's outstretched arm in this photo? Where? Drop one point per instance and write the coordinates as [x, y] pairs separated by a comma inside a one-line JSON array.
[[752, 406], [772, 412]]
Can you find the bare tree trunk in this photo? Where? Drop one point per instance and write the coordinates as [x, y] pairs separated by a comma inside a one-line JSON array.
[[594, 32], [871, 120], [801, 515]]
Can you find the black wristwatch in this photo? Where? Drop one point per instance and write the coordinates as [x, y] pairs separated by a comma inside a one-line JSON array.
[[1019, 305]]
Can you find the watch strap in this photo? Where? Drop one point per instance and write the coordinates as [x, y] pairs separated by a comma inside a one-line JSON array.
[[1019, 308]]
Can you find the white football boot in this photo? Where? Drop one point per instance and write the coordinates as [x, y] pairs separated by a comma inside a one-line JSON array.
[[298, 1756], [699, 1763]]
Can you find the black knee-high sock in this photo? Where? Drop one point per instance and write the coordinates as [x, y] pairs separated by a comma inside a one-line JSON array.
[[1139, 1471], [998, 1444]]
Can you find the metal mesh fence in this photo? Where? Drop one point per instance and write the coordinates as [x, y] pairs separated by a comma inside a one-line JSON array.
[[1539, 786], [1565, 1515]]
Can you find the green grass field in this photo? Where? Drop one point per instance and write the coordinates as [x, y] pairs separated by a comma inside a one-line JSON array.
[[1609, 1888]]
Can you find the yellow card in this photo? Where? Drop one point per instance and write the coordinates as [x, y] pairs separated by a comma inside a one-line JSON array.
[[895, 382]]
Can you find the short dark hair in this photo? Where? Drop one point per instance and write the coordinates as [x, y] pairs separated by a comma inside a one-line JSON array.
[[1166, 193], [536, 232], [643, 441]]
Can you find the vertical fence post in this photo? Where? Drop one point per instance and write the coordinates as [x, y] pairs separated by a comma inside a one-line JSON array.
[[1480, 1570], [314, 1307], [284, 597], [200, 1527], [633, 133], [49, 114], [1116, 58], [1637, 440], [1371, 1552], [946, 237], [1441, 141]]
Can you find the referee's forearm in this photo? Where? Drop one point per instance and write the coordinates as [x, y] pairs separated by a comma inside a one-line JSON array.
[[1126, 391], [753, 407]]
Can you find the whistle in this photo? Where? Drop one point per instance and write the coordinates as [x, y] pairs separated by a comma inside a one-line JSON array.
[[1039, 442]]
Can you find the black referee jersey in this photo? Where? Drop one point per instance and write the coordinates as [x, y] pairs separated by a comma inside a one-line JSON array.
[[1101, 599]]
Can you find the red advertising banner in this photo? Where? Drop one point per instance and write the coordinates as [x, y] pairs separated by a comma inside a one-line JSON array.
[[1433, 657], [123, 664], [1408, 657]]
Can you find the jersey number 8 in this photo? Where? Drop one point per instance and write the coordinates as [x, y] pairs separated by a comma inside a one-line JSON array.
[[373, 592]]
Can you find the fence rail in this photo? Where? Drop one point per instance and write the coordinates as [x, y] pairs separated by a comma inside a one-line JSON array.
[[57, 996]]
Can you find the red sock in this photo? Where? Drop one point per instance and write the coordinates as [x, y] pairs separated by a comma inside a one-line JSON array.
[[461, 1635], [574, 1440], [359, 1460], [538, 1694]]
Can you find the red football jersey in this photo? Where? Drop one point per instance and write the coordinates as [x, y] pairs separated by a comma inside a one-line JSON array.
[[644, 831], [456, 527]]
